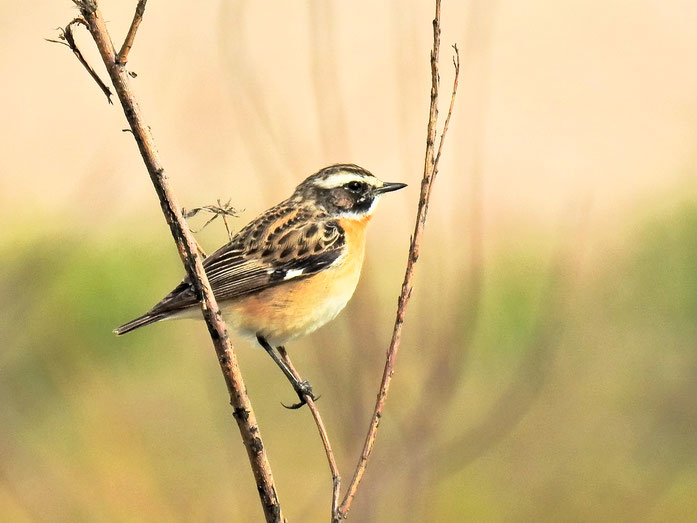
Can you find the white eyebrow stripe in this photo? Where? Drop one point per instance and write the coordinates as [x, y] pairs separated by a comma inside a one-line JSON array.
[[341, 178]]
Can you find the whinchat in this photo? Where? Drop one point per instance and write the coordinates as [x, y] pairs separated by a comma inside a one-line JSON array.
[[290, 270]]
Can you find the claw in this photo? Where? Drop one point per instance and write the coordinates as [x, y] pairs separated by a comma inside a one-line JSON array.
[[295, 406], [304, 390]]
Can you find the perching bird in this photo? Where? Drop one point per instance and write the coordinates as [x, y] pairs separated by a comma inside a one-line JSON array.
[[290, 270]]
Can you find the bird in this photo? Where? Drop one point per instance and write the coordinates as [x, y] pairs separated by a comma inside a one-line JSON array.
[[290, 270]]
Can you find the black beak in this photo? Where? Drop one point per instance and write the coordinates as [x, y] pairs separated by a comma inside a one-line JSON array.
[[389, 187]]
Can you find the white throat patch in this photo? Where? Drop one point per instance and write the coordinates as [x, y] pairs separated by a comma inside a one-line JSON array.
[[362, 214]]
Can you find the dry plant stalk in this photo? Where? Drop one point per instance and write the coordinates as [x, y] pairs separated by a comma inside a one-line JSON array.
[[430, 170], [187, 247], [333, 467]]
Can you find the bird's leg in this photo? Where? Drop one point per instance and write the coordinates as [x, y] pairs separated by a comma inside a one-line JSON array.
[[302, 388], [307, 388]]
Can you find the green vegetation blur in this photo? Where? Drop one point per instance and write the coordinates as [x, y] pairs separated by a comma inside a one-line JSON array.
[[555, 395]]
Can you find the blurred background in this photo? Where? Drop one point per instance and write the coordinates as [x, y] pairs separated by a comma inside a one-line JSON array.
[[548, 369]]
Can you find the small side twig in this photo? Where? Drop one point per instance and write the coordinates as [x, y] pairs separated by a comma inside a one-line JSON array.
[[333, 467], [456, 65], [430, 172], [122, 57], [67, 38], [222, 209]]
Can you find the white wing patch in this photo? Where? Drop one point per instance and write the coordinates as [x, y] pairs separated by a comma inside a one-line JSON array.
[[293, 273]]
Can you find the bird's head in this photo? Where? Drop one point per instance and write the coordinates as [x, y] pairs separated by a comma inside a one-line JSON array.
[[345, 190]]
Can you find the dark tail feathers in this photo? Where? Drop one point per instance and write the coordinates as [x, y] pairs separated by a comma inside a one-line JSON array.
[[145, 319]]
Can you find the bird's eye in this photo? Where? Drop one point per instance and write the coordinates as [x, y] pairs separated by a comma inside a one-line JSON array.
[[354, 186]]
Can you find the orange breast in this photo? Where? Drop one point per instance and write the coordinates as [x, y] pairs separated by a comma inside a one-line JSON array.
[[296, 308]]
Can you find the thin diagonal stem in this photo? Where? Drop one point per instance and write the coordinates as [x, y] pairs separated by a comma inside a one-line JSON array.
[[430, 171], [187, 247], [67, 38], [333, 468]]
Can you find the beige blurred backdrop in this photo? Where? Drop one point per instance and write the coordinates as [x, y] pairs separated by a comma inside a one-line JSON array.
[[548, 369]]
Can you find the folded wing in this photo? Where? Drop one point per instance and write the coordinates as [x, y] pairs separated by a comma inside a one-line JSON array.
[[261, 256]]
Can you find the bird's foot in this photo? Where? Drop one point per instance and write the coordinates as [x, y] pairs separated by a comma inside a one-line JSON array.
[[304, 391]]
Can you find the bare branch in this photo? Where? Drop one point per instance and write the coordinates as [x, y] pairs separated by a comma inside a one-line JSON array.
[[187, 247], [122, 57], [430, 171]]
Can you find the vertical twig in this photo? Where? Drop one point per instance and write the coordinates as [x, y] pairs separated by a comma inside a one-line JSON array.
[[430, 171], [187, 247]]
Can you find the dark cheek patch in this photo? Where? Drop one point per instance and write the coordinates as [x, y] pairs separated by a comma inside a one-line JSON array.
[[342, 201]]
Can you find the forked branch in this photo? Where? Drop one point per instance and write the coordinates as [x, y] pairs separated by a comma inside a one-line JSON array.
[[187, 247]]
